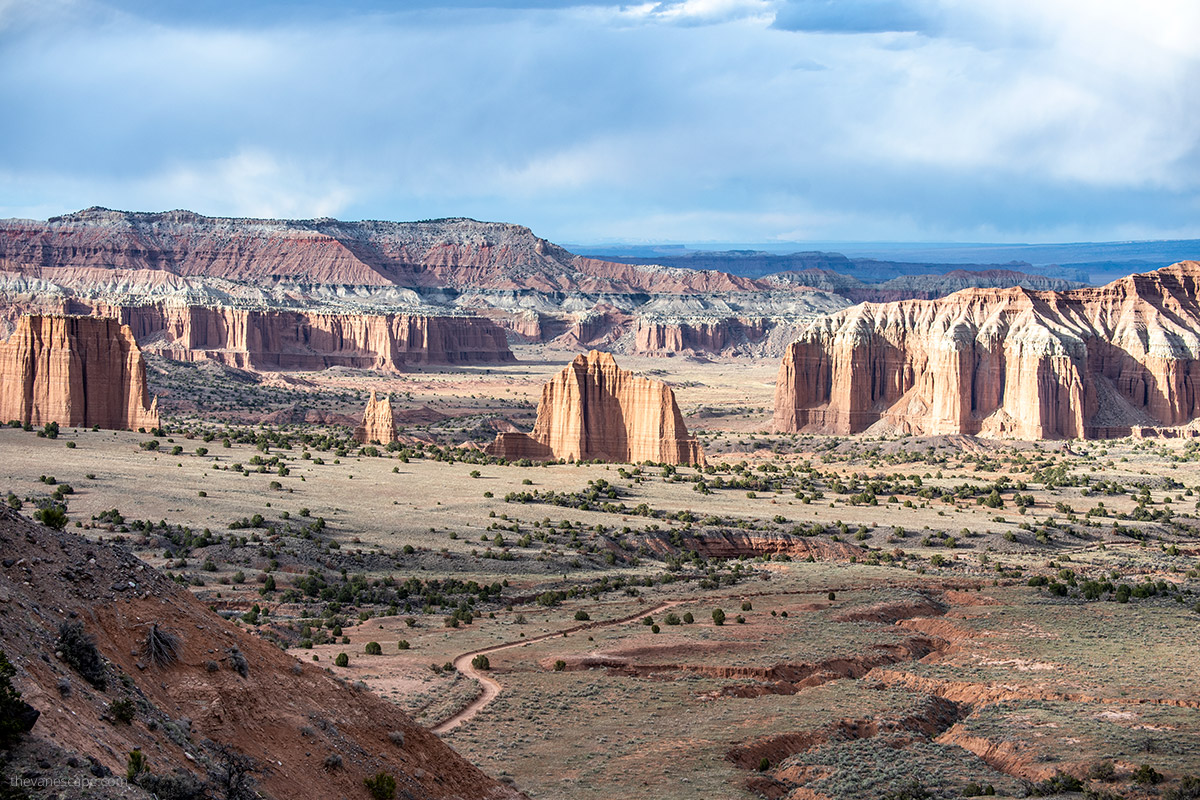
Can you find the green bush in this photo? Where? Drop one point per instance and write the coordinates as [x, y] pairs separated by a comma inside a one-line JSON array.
[[481, 662], [581, 616], [121, 711], [1188, 789], [78, 649], [342, 660], [1146, 775], [402, 644], [718, 616], [13, 710], [382, 786], [560, 665], [374, 649]]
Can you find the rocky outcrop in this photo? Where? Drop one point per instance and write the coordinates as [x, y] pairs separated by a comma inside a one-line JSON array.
[[593, 409], [264, 339], [699, 336], [1003, 362], [377, 423], [76, 371]]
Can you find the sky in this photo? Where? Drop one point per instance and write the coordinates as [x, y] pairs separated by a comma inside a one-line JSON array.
[[686, 121]]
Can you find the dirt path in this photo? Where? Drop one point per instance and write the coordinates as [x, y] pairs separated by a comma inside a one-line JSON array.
[[492, 689]]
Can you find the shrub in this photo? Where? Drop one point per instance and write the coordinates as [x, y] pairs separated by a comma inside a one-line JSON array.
[[374, 649], [1103, 771], [162, 645], [14, 713], [78, 649], [764, 764], [581, 616], [1146, 775], [718, 616], [671, 618], [747, 605], [688, 619], [1188, 789], [402, 644], [52, 516], [333, 762], [1058, 784], [121, 711], [342, 660], [136, 766], [238, 662], [481, 662], [381, 787], [396, 738], [560, 665]]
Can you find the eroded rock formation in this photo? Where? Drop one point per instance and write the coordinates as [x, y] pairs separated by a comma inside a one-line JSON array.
[[307, 340], [377, 422], [76, 371], [593, 409], [1084, 363]]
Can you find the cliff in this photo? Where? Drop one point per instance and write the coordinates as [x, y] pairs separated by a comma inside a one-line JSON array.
[[593, 409], [456, 253], [76, 371], [278, 339], [377, 423], [699, 336], [1015, 363]]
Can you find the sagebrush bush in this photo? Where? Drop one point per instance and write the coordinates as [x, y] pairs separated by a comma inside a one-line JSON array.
[[78, 649]]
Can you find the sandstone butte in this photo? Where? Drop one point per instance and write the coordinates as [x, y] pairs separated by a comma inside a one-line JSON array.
[[1013, 363], [377, 423], [76, 371], [593, 409]]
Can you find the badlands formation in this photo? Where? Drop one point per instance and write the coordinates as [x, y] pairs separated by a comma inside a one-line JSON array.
[[1086, 363], [593, 409], [75, 371]]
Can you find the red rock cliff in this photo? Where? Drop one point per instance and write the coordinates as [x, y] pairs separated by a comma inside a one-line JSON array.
[[309, 340], [1003, 362], [593, 409], [76, 371]]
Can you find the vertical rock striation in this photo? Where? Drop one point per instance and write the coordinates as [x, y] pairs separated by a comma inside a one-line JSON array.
[[593, 409], [377, 424], [1084, 363], [76, 371]]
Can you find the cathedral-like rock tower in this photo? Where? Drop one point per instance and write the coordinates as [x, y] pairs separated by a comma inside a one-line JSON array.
[[378, 424], [593, 409], [76, 371]]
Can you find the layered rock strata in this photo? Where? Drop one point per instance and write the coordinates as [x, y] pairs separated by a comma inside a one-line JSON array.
[[1017, 363], [76, 371], [593, 409], [378, 424]]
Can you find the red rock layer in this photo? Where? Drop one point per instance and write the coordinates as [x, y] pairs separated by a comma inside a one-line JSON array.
[[701, 336], [377, 423], [1003, 362], [309, 340], [458, 253], [76, 371], [593, 409]]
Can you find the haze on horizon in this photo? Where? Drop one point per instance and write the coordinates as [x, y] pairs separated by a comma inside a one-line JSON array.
[[676, 121]]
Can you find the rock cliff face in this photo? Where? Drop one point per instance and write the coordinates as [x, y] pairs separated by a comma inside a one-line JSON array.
[[284, 340], [593, 409], [377, 423], [1003, 362], [699, 336], [76, 371]]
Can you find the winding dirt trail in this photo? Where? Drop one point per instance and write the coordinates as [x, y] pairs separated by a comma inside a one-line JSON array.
[[492, 689]]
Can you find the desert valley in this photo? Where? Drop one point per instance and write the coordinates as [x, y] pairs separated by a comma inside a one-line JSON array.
[[441, 509]]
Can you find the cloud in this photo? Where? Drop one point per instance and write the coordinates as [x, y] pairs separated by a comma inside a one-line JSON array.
[[699, 119], [856, 16]]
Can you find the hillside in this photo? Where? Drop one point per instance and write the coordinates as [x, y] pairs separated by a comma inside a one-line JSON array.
[[305, 733]]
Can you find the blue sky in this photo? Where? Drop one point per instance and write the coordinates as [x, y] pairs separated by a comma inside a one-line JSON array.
[[676, 121]]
